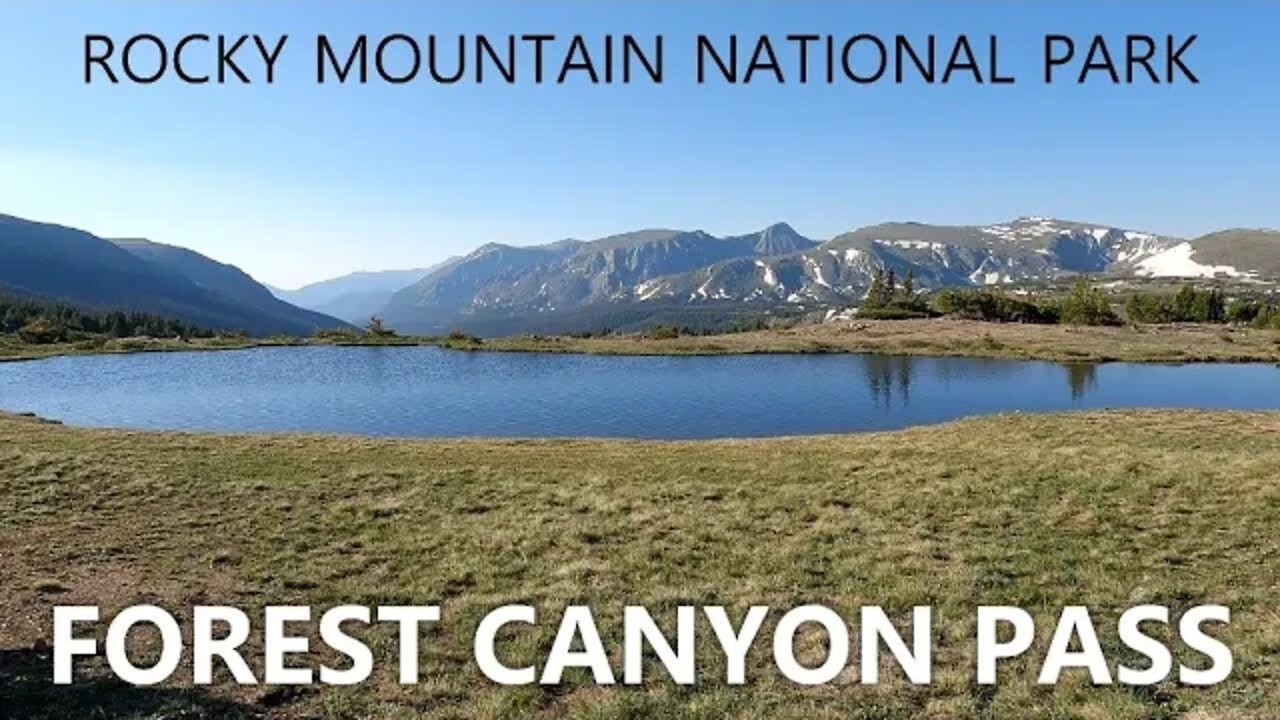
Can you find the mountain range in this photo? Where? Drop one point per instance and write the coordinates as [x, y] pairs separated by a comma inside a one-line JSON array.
[[52, 262], [569, 274], [619, 281], [500, 286]]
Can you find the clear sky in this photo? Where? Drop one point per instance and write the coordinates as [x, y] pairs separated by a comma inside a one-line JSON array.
[[296, 182]]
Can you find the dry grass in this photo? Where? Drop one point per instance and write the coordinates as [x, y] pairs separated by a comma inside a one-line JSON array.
[[1064, 343], [12, 349], [1104, 509]]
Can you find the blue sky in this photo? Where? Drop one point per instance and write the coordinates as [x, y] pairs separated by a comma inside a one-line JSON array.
[[296, 182]]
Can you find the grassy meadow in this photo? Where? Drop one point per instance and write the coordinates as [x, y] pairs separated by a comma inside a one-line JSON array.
[[1105, 509]]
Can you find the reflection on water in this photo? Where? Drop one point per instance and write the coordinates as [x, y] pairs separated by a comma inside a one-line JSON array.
[[1082, 377], [433, 392], [888, 377]]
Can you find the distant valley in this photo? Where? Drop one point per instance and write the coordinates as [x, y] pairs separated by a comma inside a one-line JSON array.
[[354, 297], [620, 282]]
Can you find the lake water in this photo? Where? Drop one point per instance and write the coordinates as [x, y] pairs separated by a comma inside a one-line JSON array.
[[426, 391]]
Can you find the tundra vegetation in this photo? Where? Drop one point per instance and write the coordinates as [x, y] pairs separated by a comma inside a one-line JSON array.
[[1084, 322], [1104, 509]]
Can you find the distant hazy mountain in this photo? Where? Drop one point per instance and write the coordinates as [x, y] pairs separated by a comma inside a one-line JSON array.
[[55, 262], [617, 277], [357, 296]]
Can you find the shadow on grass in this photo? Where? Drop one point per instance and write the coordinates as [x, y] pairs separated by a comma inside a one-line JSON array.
[[27, 692]]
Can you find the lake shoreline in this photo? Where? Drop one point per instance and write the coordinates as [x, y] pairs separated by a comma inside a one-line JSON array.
[[1184, 343], [132, 346], [431, 392]]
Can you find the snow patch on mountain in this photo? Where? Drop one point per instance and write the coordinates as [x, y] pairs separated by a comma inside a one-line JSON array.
[[1177, 262], [1026, 228], [816, 269], [912, 244], [648, 289], [770, 277]]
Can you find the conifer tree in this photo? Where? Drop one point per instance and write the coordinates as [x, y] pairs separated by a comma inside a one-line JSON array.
[[1184, 304], [875, 293]]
